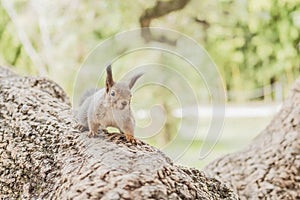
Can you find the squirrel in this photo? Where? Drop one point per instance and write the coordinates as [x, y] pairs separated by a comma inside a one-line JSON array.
[[109, 106]]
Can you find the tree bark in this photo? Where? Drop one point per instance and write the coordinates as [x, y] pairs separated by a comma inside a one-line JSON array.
[[269, 168], [43, 156]]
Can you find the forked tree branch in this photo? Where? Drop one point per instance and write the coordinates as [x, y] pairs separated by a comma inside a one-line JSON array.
[[161, 8]]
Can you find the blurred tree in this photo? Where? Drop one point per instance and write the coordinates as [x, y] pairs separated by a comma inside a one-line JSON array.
[[254, 43], [160, 9]]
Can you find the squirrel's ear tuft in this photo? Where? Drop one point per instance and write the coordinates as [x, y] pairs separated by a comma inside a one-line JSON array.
[[134, 79], [109, 79]]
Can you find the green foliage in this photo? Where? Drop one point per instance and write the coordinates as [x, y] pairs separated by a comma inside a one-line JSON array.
[[258, 47]]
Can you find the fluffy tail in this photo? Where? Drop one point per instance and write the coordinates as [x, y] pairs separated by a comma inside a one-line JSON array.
[[87, 94]]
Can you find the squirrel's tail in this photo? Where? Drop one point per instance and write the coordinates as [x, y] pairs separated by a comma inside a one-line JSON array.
[[87, 94]]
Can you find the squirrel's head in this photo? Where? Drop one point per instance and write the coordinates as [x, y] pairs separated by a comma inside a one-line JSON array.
[[119, 94]]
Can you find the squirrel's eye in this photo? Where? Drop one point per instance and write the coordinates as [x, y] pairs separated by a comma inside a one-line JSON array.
[[113, 93]]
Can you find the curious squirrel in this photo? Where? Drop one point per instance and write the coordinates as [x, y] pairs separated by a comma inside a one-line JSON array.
[[109, 106]]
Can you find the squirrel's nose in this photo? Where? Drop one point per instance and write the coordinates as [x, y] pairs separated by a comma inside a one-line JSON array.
[[124, 103]]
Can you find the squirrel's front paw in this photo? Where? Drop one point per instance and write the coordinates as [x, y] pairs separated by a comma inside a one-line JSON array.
[[92, 134], [131, 139]]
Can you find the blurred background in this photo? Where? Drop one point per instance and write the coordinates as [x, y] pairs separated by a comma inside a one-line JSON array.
[[254, 44]]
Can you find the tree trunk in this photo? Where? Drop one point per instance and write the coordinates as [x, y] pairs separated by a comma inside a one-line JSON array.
[[269, 168], [44, 156]]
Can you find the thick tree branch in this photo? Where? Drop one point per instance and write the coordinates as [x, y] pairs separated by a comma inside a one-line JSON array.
[[269, 167], [42, 155]]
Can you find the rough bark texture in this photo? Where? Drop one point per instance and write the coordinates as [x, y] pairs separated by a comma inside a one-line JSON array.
[[269, 168], [43, 156]]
